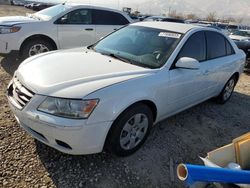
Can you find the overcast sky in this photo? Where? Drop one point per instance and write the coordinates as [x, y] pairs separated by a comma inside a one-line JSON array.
[[110, 3], [223, 8]]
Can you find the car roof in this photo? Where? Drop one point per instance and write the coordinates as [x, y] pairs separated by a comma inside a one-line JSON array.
[[92, 6], [81, 5], [170, 26]]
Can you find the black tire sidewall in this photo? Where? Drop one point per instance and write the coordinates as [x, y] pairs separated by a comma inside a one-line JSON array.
[[114, 137], [30, 43]]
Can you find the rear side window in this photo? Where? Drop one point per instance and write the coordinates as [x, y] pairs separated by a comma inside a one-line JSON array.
[[215, 45], [195, 47], [229, 48], [103, 17]]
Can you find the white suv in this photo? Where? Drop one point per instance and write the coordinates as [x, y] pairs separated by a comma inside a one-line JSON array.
[[59, 27]]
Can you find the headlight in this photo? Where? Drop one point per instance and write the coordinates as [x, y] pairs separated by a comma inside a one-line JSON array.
[[68, 108], [6, 30]]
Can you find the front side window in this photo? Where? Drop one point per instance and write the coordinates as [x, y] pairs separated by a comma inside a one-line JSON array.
[[141, 46], [195, 47], [80, 16], [103, 17], [215, 45]]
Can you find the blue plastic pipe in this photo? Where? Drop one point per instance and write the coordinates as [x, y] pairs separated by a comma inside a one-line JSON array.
[[196, 173]]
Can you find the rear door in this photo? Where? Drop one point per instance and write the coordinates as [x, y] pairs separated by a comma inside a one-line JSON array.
[[76, 29], [220, 61], [107, 22]]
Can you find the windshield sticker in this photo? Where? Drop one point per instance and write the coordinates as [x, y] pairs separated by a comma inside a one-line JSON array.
[[170, 35]]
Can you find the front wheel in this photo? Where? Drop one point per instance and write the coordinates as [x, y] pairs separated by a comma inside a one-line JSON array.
[[130, 130], [34, 47], [227, 91]]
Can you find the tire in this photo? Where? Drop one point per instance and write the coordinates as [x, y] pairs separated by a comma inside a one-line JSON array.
[[34, 47], [227, 91], [125, 131]]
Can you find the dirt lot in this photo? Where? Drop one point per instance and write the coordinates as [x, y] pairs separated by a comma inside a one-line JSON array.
[[25, 162]]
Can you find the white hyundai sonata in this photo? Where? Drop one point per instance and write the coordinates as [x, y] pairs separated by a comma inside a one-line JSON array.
[[111, 93]]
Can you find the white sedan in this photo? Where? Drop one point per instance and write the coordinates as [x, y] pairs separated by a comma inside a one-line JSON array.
[[112, 93], [59, 27]]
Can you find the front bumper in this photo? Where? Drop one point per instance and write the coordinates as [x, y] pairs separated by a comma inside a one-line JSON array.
[[69, 136], [6, 46]]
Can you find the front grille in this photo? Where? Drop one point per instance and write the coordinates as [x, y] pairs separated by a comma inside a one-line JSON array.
[[19, 94]]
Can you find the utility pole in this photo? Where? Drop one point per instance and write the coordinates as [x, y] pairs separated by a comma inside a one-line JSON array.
[[169, 10]]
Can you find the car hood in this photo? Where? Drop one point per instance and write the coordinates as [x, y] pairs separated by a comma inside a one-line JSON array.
[[13, 20], [54, 73], [239, 38]]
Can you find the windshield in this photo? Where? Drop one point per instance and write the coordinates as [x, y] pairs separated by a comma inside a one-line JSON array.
[[51, 12], [141, 46]]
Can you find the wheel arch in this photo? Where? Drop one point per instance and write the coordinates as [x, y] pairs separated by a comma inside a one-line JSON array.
[[152, 106], [40, 37], [237, 76]]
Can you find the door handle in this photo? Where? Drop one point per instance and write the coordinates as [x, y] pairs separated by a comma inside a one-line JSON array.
[[115, 29], [89, 29]]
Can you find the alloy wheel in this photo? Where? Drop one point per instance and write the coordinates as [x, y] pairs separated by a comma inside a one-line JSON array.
[[37, 49]]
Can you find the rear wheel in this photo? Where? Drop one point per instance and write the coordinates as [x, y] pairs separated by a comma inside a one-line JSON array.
[[34, 47], [227, 91], [130, 130]]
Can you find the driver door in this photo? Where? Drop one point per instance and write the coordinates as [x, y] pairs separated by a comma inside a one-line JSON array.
[[75, 29], [189, 86]]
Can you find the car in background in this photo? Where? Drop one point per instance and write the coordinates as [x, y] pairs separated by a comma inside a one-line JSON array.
[[154, 18], [17, 2], [59, 27], [243, 33], [242, 40], [143, 17], [134, 18], [29, 5], [38, 6], [112, 93], [164, 19]]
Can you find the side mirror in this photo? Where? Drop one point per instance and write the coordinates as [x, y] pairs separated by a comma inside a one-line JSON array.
[[62, 20], [187, 63]]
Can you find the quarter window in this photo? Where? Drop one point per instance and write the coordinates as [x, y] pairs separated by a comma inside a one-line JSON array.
[[195, 47], [215, 45], [102, 17], [229, 48]]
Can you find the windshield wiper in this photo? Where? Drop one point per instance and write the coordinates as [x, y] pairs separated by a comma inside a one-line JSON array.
[[91, 47], [118, 57]]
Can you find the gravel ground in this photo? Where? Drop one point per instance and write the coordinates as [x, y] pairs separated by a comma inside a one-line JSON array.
[[179, 139]]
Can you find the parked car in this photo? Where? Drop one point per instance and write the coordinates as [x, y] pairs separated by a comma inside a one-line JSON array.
[[164, 19], [41, 6], [29, 5], [243, 33], [154, 18], [242, 40], [112, 93], [143, 17], [17, 3], [59, 27], [134, 18]]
